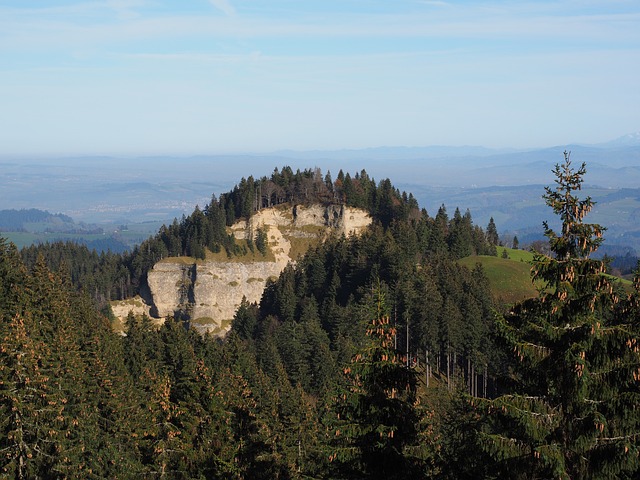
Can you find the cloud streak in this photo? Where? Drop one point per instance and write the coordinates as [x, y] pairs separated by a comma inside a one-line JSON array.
[[49, 34], [224, 6], [86, 22], [340, 70]]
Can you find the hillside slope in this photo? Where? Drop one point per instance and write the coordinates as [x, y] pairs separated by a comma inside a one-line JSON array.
[[509, 278], [208, 292]]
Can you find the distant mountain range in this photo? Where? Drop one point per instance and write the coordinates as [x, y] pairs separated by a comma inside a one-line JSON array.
[[443, 151], [629, 140], [506, 184]]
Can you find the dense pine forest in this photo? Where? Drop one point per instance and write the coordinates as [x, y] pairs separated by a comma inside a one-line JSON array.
[[373, 356]]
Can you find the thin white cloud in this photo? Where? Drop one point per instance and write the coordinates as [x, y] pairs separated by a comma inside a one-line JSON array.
[[125, 9], [434, 3], [492, 69], [224, 6], [455, 22], [198, 58], [46, 34]]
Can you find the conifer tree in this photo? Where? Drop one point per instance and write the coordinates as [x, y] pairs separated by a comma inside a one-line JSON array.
[[573, 410], [29, 405], [379, 432], [245, 319], [492, 233], [439, 232], [12, 277]]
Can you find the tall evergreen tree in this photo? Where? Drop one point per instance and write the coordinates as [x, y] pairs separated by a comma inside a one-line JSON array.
[[492, 233], [379, 433], [572, 411]]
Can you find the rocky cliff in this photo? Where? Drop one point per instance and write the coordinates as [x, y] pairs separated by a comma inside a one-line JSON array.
[[208, 292]]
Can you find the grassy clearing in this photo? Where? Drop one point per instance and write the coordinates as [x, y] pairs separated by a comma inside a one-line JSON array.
[[509, 279], [117, 325], [312, 229], [224, 326], [204, 321], [133, 302], [249, 257], [133, 235], [300, 246], [516, 255], [21, 239], [222, 257], [25, 239], [626, 284], [180, 260]]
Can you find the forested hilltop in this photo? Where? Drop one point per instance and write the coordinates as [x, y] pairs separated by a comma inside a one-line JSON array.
[[107, 276], [374, 356]]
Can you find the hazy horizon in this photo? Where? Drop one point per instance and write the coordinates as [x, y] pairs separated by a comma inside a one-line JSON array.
[[418, 151]]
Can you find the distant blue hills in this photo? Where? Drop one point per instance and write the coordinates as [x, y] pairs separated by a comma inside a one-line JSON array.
[[19, 220], [505, 184]]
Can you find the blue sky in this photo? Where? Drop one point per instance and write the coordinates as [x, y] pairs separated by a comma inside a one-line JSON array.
[[223, 76]]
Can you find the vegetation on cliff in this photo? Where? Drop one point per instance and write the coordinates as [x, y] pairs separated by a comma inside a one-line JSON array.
[[375, 356]]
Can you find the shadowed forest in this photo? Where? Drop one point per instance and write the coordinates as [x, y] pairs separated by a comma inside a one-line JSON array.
[[373, 356]]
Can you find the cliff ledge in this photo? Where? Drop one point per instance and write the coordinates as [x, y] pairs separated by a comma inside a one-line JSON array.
[[208, 292]]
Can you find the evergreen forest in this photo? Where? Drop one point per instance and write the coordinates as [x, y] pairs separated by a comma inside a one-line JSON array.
[[378, 356]]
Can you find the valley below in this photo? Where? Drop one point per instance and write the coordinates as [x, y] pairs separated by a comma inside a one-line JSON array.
[[145, 192]]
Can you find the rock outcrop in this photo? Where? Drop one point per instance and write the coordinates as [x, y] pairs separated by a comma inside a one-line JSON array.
[[208, 292]]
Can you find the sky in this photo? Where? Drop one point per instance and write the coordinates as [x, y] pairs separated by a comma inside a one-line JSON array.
[[146, 77]]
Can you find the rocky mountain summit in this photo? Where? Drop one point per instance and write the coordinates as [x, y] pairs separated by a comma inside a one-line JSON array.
[[208, 292]]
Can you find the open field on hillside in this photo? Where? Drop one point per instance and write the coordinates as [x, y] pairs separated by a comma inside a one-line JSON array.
[[113, 236], [509, 278]]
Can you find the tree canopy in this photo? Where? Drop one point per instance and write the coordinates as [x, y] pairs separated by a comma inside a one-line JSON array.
[[373, 356], [570, 411]]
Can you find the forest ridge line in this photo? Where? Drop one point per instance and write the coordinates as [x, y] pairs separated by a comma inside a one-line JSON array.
[[376, 355]]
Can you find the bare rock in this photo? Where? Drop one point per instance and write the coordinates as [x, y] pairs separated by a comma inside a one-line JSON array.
[[208, 293]]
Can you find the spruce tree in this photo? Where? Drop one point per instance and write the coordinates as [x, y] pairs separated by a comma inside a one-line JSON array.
[[378, 435], [572, 411], [492, 233]]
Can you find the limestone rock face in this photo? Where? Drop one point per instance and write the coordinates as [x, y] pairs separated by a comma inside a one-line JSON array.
[[169, 283], [208, 293], [341, 219], [220, 287]]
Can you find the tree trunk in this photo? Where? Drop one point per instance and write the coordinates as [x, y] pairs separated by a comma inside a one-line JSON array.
[[427, 366], [453, 365], [448, 368], [484, 380]]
